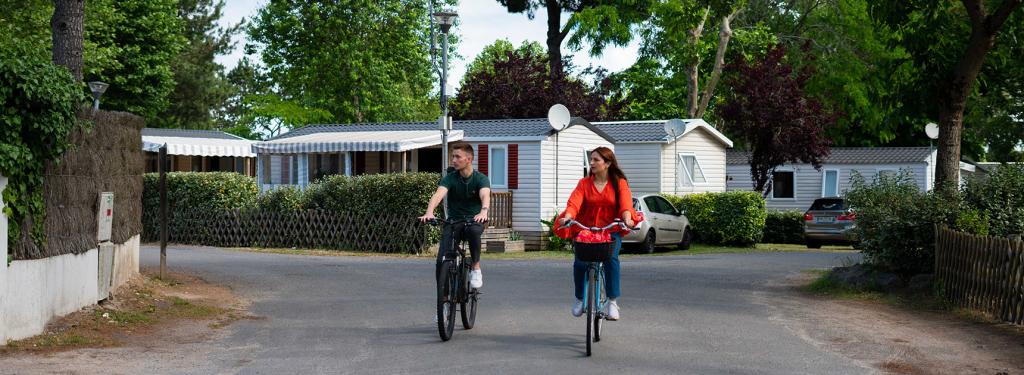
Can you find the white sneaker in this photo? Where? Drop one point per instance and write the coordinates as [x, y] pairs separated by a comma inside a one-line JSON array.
[[577, 308], [476, 279], [613, 310]]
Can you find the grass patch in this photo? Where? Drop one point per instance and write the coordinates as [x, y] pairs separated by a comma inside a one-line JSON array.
[[822, 285], [825, 286]]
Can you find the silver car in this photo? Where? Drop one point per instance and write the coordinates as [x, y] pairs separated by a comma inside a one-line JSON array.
[[663, 225], [828, 221]]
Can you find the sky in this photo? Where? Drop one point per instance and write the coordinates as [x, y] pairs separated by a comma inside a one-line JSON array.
[[482, 22]]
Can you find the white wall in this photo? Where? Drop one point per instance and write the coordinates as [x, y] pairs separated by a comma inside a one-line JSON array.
[[710, 153], [32, 292], [571, 145], [809, 180], [641, 164], [525, 199]]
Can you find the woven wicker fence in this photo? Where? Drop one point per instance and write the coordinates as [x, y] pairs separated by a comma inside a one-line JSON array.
[[981, 273], [317, 229]]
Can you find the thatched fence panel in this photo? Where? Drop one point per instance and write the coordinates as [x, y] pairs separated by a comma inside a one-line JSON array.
[[981, 273], [105, 157]]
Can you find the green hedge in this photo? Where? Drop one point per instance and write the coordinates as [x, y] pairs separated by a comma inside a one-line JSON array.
[[194, 191], [896, 221], [403, 194], [366, 196], [999, 196], [730, 218], [784, 227]]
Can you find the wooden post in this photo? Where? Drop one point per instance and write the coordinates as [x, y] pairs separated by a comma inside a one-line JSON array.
[[162, 162]]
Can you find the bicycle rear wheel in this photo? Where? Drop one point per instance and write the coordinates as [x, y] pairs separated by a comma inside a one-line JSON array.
[[468, 304], [446, 301]]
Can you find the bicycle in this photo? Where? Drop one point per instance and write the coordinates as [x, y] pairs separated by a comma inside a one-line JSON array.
[[594, 254], [453, 288]]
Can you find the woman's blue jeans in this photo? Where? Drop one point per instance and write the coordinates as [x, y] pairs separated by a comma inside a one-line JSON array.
[[611, 272]]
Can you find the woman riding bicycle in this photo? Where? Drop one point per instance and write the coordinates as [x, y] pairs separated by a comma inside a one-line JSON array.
[[598, 200]]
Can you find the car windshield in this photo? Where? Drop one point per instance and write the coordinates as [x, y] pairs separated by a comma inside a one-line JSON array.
[[834, 204]]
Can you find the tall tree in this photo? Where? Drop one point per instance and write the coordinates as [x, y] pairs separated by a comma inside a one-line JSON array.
[[598, 21], [950, 41], [515, 83], [136, 45], [359, 60], [200, 85], [68, 24], [773, 118]]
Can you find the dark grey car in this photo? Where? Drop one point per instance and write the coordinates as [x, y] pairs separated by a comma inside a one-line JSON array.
[[828, 221]]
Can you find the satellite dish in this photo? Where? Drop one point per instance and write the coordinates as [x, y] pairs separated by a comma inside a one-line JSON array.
[[674, 127], [558, 117], [932, 130]]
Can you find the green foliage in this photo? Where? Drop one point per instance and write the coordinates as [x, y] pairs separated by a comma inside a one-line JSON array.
[[498, 51], [38, 101], [359, 60], [1000, 196], [405, 194], [137, 42], [194, 192], [730, 218], [281, 199], [555, 243], [896, 221], [784, 227], [200, 86]]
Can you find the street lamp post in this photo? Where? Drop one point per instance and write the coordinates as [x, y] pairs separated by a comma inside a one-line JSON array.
[[97, 88], [445, 20]]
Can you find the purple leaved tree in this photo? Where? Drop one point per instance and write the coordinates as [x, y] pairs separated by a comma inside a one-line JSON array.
[[774, 118]]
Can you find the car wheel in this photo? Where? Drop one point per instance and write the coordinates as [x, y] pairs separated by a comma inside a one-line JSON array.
[[687, 239], [647, 247], [812, 244]]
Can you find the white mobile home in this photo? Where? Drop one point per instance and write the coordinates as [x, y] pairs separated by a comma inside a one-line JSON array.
[[524, 158], [654, 162], [796, 186]]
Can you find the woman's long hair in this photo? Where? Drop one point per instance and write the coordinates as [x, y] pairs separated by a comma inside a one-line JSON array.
[[614, 172]]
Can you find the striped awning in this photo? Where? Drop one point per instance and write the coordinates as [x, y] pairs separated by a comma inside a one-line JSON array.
[[199, 146], [391, 141]]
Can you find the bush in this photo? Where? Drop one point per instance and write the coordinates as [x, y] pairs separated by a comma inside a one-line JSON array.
[[403, 194], [730, 218], [896, 221], [38, 101], [193, 192], [282, 199], [784, 227], [1000, 196], [555, 243]]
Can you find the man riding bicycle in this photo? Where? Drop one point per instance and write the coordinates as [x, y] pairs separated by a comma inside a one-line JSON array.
[[469, 197]]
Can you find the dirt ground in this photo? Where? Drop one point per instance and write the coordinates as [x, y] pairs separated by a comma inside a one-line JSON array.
[[897, 340], [149, 318]]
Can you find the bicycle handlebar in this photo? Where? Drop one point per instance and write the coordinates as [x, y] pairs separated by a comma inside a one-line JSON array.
[[436, 221], [617, 222]]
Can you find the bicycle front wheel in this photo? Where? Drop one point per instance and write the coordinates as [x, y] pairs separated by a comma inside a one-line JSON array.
[[468, 304], [591, 306], [446, 301]]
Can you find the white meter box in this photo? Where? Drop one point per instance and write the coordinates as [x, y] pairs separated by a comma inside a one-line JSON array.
[[105, 216]]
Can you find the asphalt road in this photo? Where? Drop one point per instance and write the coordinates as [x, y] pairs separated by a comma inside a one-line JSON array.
[[704, 314]]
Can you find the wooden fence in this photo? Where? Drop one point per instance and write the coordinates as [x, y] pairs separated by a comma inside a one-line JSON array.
[[981, 273], [500, 213], [317, 229]]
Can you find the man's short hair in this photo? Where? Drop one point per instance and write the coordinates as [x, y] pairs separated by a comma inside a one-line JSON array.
[[464, 147]]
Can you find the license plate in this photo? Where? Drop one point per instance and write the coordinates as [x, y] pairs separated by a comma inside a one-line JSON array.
[[825, 219]]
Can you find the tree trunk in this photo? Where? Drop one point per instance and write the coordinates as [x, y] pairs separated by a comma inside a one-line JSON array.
[[68, 24], [555, 36], [723, 42], [953, 98], [692, 70]]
